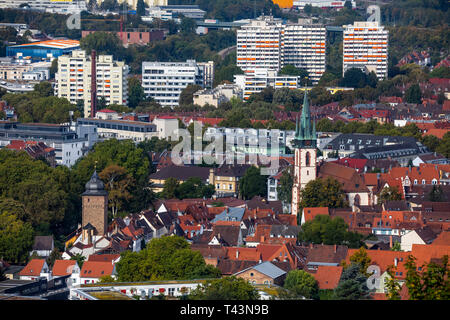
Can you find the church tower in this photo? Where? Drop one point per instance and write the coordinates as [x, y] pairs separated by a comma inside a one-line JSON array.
[[95, 208], [305, 143]]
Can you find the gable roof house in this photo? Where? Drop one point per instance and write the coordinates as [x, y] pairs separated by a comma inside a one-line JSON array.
[[264, 273], [423, 235], [35, 269], [328, 277], [43, 246], [357, 193], [92, 271], [63, 268], [324, 255]]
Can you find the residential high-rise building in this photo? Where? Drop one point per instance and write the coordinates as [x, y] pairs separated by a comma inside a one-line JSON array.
[[366, 48], [267, 43], [73, 79], [303, 46], [258, 44], [164, 81]]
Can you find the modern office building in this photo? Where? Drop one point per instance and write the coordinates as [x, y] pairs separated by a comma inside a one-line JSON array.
[[51, 6], [366, 47], [119, 129], [269, 44], [69, 145], [43, 49], [254, 81], [303, 46], [73, 79], [164, 81]]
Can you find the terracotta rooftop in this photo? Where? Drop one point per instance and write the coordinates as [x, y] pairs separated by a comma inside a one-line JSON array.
[[96, 269], [33, 268], [328, 276], [63, 267]]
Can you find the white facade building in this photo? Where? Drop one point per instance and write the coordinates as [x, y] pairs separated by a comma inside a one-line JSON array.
[[254, 81], [303, 46], [164, 81], [322, 4], [258, 44], [73, 79], [366, 48], [269, 44], [52, 6], [166, 127]]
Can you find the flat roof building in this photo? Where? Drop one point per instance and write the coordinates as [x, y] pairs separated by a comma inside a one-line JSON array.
[[44, 49]]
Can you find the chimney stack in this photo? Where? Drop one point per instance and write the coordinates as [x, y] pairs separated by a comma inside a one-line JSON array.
[[237, 254], [335, 248], [390, 241]]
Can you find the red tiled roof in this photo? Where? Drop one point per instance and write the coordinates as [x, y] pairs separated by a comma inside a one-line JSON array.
[[442, 239], [63, 267], [103, 257], [96, 269], [106, 111], [328, 276], [436, 132], [352, 163], [311, 213], [384, 259], [424, 253], [239, 253], [33, 268]]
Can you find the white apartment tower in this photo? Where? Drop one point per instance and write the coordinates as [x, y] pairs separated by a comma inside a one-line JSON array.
[[366, 48], [269, 44], [258, 44], [303, 46], [73, 79], [164, 81]]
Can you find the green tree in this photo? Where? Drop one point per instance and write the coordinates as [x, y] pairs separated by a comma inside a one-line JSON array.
[[79, 259], [140, 8], [323, 193], [302, 283], [118, 184], [436, 194], [44, 89], [135, 92], [187, 95], [413, 94], [187, 25], [352, 285], [361, 258], [166, 258], [329, 231], [291, 70], [444, 146], [16, 238], [170, 188], [428, 282], [253, 183], [285, 188], [228, 288], [354, 78], [54, 255], [389, 194]]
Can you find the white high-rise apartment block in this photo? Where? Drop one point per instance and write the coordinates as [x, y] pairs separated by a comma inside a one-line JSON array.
[[303, 46], [258, 44], [164, 81], [73, 79], [366, 48], [52, 6], [269, 44]]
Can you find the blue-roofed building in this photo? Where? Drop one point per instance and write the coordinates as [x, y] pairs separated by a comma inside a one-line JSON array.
[[230, 214], [43, 49]]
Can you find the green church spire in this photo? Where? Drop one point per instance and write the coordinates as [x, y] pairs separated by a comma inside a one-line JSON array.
[[305, 134]]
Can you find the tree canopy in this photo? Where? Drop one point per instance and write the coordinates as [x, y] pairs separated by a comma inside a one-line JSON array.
[[166, 258], [227, 288]]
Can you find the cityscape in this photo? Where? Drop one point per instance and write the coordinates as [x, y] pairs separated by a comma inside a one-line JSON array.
[[245, 150]]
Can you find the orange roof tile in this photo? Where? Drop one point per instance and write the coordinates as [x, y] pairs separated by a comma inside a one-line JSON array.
[[437, 132], [33, 268], [238, 253], [424, 253], [442, 239], [96, 269], [103, 257], [328, 276], [63, 267], [311, 213]]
